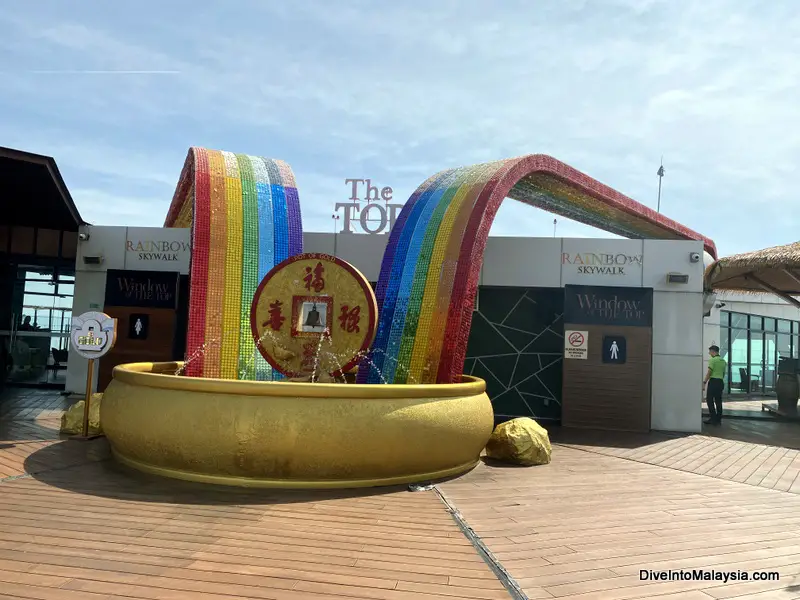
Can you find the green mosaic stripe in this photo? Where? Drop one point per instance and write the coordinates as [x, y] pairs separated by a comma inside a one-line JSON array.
[[247, 346], [421, 276]]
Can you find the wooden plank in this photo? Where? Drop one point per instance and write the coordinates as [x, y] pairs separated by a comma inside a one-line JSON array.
[[669, 519]]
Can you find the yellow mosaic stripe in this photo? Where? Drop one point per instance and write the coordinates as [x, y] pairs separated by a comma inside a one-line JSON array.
[[446, 278], [184, 218], [432, 283], [216, 266], [233, 269], [429, 298]]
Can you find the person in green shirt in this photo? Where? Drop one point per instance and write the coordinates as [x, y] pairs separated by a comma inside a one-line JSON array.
[[714, 384]]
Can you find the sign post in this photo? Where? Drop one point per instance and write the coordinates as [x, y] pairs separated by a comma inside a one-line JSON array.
[[92, 335], [87, 400]]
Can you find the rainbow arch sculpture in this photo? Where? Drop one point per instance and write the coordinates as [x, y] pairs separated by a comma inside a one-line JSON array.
[[431, 266], [244, 213]]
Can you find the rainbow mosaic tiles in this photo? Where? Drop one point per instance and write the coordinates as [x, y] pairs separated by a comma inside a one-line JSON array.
[[244, 212], [430, 270]]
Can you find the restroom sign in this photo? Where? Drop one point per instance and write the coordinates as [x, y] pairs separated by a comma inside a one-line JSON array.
[[615, 349], [576, 344], [138, 326]]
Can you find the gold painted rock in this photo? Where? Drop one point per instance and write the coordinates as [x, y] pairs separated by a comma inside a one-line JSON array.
[[520, 441], [72, 420]]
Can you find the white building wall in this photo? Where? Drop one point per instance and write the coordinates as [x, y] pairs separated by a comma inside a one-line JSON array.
[[522, 262], [365, 252], [677, 378], [677, 375], [90, 289], [119, 249], [678, 335]]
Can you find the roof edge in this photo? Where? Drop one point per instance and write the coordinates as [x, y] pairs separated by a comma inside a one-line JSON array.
[[52, 168]]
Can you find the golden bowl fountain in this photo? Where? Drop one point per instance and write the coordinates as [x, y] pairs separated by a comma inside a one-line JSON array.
[[293, 435]]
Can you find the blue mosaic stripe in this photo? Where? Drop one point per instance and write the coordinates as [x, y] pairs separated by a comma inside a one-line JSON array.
[[367, 367], [266, 244], [432, 200], [295, 221], [392, 289]]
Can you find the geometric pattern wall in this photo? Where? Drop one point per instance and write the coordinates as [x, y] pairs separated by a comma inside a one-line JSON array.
[[516, 344]]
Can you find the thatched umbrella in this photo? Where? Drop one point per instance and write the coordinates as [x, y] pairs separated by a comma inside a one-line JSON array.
[[775, 270]]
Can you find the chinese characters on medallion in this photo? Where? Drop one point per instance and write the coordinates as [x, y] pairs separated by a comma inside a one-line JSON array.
[[314, 278], [315, 315], [276, 317], [349, 318]]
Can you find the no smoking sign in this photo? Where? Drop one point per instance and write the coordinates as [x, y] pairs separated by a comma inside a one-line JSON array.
[[576, 344], [576, 339]]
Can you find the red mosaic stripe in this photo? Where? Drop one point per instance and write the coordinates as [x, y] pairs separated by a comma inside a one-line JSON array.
[[470, 261], [197, 163]]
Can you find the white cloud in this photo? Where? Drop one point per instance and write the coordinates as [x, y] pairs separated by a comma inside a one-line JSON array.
[[398, 91], [103, 207]]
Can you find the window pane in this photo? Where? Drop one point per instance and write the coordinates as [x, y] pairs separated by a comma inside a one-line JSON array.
[[784, 326], [784, 345], [61, 321], [39, 319], [66, 289], [62, 302], [756, 360], [724, 343], [40, 300], [738, 320], [39, 287], [795, 346], [756, 323], [769, 324], [724, 318], [738, 346], [770, 361]]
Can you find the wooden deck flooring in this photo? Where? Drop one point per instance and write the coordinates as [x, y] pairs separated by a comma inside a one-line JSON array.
[[95, 531], [29, 422], [77, 526], [772, 467], [74, 525], [582, 527], [27, 404]]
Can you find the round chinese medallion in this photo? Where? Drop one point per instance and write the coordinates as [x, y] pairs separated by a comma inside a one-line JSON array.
[[313, 314]]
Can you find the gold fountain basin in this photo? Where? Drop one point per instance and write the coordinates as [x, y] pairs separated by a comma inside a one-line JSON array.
[[293, 435]]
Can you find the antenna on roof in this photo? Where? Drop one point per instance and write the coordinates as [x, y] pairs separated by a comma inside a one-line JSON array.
[[660, 174]]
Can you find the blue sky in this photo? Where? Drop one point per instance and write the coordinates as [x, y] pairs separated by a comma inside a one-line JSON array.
[[396, 91]]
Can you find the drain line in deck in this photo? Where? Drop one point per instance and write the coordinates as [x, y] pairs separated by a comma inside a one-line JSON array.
[[504, 576], [15, 477]]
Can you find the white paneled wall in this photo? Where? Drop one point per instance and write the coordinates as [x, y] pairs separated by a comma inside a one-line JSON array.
[[679, 336], [677, 361]]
